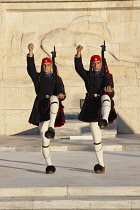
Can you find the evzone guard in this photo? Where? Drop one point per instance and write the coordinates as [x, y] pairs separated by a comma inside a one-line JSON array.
[[47, 111], [98, 107]]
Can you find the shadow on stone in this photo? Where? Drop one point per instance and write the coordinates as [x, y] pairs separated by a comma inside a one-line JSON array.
[[72, 116], [84, 128], [32, 131], [25, 169], [112, 126], [123, 127], [18, 161], [77, 169]]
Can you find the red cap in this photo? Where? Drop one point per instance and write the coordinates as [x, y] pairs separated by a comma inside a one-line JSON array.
[[95, 58], [46, 60]]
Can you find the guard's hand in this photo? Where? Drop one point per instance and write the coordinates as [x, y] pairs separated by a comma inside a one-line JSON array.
[[108, 89], [79, 48], [61, 96], [30, 47]]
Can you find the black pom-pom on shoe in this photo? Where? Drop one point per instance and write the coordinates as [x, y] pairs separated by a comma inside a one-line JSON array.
[[102, 123], [50, 169], [99, 169], [50, 133]]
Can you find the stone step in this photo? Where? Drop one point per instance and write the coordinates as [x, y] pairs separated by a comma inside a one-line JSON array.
[[74, 127], [68, 191], [65, 203], [72, 198], [32, 143], [65, 148]]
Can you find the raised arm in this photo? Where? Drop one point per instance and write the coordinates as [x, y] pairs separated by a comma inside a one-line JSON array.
[[78, 63], [31, 69]]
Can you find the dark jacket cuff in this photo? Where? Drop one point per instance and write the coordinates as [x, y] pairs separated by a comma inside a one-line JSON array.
[[78, 60], [30, 60]]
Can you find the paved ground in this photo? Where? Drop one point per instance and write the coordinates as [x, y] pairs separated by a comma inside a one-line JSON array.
[[24, 184], [73, 169], [27, 169]]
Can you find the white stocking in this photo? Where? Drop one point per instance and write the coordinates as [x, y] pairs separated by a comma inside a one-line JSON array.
[[96, 133], [54, 105], [43, 127], [105, 107]]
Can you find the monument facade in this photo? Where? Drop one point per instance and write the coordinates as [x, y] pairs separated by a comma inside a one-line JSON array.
[[65, 25]]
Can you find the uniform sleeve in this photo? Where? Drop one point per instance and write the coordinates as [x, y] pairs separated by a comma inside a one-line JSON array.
[[112, 85], [111, 81], [60, 86], [80, 69], [31, 69]]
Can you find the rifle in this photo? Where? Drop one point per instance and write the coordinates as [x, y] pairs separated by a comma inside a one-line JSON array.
[[104, 64], [54, 66]]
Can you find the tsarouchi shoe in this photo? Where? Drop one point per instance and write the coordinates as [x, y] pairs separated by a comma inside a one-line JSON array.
[[102, 123], [50, 133], [50, 169], [99, 169]]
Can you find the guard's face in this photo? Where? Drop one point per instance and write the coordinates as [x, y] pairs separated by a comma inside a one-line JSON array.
[[47, 67], [97, 65]]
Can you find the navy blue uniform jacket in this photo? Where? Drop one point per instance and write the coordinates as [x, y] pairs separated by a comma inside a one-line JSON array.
[[41, 108], [91, 110]]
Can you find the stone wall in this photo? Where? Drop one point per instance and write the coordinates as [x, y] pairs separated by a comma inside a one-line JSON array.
[[65, 25]]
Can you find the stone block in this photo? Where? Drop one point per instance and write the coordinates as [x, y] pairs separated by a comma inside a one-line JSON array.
[[9, 83], [15, 73], [28, 97], [82, 203], [103, 191], [16, 122], [129, 49], [126, 81], [138, 120], [77, 83], [119, 16], [135, 16], [117, 97], [2, 122], [10, 98], [130, 97], [127, 121], [18, 204], [74, 94], [124, 31], [135, 204], [33, 192], [72, 110], [119, 71], [64, 72], [0, 54], [138, 71]]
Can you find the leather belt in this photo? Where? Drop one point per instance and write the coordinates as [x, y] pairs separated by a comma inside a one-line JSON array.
[[94, 95], [46, 96]]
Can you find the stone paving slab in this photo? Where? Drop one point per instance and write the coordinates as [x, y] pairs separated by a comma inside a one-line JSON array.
[[73, 169], [70, 203], [32, 143], [73, 192], [74, 186]]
